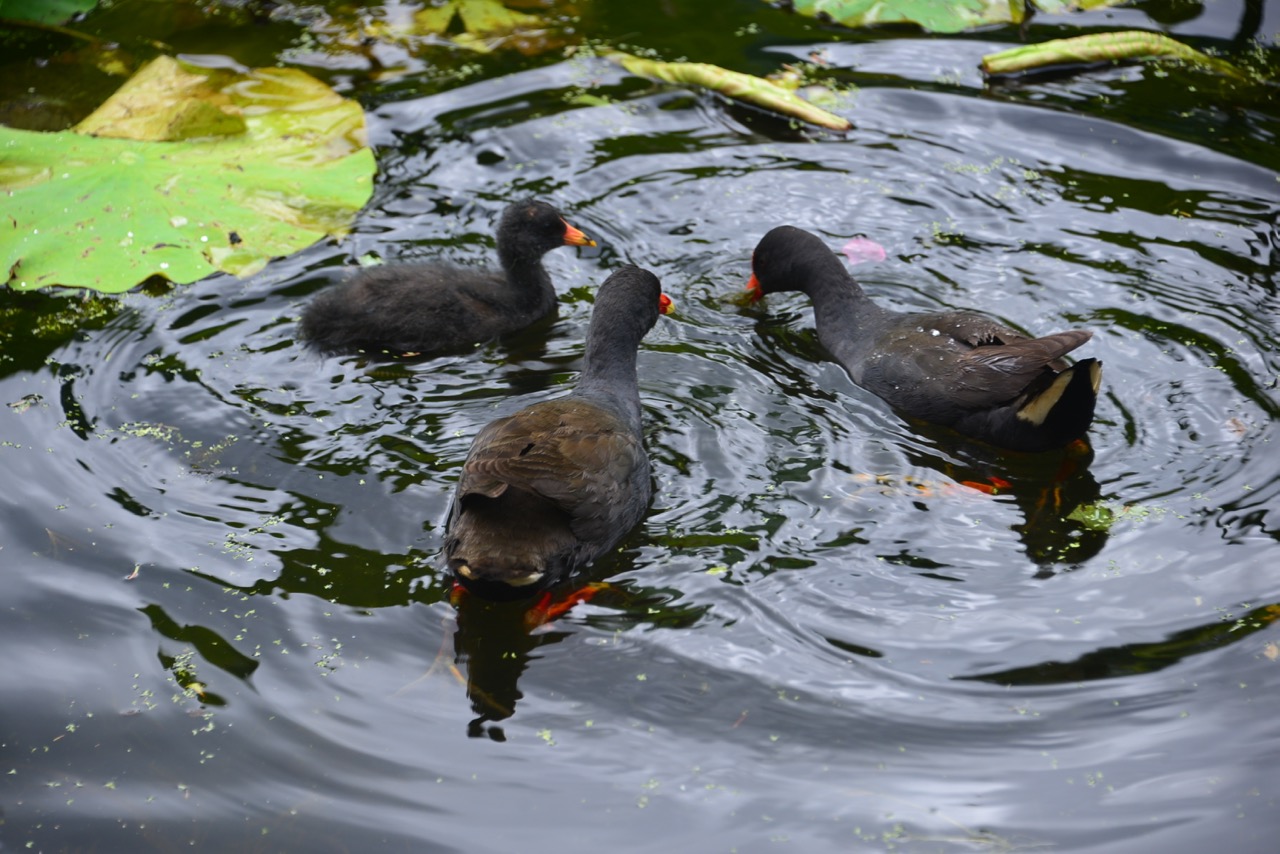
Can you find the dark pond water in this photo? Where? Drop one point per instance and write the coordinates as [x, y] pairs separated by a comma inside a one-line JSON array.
[[819, 640]]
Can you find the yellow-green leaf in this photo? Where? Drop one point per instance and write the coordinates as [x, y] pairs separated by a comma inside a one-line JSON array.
[[434, 19], [486, 24], [488, 17], [164, 102], [733, 84], [1101, 47]]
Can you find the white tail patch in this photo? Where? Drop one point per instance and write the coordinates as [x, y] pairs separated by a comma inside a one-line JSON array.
[[1042, 404], [533, 576], [1095, 376]]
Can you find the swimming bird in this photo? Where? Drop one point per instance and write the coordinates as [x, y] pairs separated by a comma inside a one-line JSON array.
[[954, 368], [435, 307], [547, 490]]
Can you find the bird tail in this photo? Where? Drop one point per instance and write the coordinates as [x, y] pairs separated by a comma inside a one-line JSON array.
[[1060, 409]]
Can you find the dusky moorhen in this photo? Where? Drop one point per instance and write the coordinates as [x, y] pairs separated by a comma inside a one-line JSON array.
[[547, 490], [954, 368], [436, 307]]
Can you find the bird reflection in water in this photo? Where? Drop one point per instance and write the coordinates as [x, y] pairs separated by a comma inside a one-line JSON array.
[[492, 644]]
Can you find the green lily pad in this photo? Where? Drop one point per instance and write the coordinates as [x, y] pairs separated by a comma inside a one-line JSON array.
[[165, 102], [939, 16], [44, 11], [262, 164]]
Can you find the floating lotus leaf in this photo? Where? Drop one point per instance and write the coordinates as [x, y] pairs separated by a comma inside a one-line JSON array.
[[44, 11], [259, 165], [939, 16]]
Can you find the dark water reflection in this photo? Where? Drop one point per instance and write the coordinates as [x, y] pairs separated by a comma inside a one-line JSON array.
[[226, 626]]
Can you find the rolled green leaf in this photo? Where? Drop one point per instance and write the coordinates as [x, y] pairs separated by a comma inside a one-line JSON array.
[[1101, 47], [732, 84]]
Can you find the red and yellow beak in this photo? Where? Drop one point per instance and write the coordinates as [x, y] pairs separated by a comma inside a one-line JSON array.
[[666, 305], [574, 237], [754, 291]]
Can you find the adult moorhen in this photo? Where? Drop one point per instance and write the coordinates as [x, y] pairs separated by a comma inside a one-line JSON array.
[[954, 368], [436, 307], [547, 490]]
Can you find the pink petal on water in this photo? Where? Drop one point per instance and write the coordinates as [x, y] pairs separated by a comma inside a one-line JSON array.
[[861, 249]]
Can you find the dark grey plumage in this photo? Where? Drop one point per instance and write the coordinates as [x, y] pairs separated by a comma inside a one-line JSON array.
[[438, 308], [549, 489], [954, 368]]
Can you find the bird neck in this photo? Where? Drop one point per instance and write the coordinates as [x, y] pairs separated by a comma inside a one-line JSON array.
[[843, 313], [524, 271], [609, 371]]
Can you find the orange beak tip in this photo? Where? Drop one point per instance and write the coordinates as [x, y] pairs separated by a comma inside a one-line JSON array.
[[574, 237], [666, 305]]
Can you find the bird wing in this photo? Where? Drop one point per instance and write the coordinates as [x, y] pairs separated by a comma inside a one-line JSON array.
[[1006, 369], [970, 360], [578, 456]]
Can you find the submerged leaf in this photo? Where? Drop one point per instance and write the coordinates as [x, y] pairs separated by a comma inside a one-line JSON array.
[[1101, 47], [479, 18], [486, 25], [107, 214], [489, 17], [1095, 517], [733, 84], [434, 19], [1102, 516]]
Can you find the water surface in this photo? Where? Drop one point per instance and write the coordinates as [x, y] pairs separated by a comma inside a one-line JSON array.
[[226, 626]]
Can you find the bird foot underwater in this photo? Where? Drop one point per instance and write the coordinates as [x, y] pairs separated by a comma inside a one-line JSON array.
[[547, 608]]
